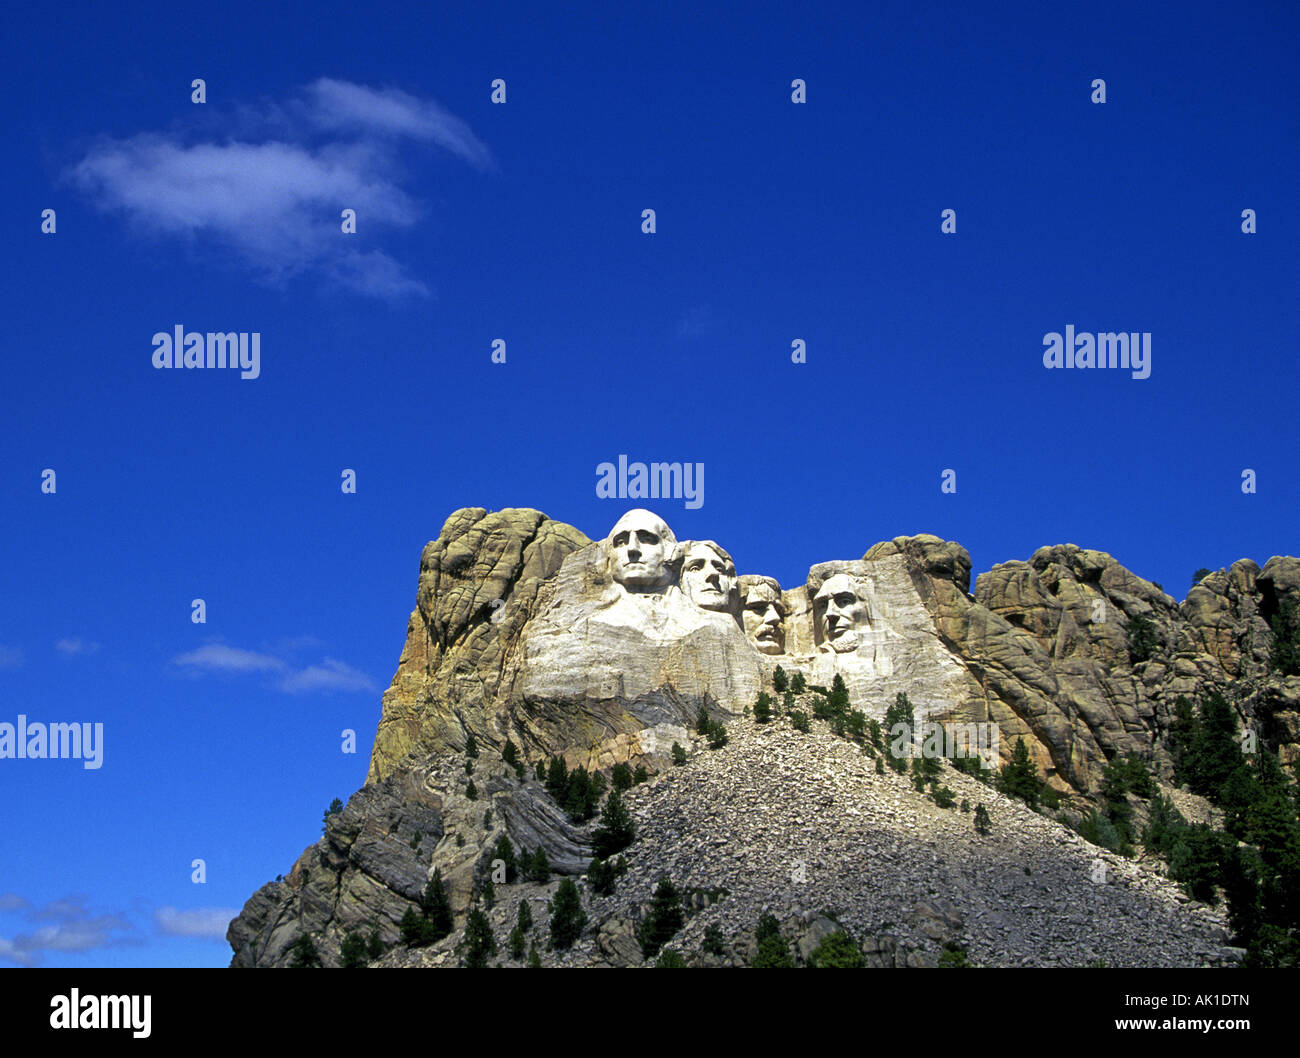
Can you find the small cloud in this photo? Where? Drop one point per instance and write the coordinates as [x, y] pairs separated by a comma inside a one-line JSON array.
[[12, 902], [203, 922], [330, 675], [221, 658], [73, 928], [10, 657], [11, 953], [74, 646], [272, 189]]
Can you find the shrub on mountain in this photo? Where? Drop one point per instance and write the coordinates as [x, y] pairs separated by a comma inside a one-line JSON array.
[[557, 779], [567, 916], [620, 777], [763, 708], [1019, 778], [303, 954], [1285, 653], [539, 867], [336, 807], [664, 919], [616, 830], [479, 943], [799, 721], [702, 721], [797, 683], [837, 951], [717, 735], [679, 754], [983, 824], [713, 942], [1143, 639], [780, 681], [471, 747], [602, 875], [773, 951], [670, 959]]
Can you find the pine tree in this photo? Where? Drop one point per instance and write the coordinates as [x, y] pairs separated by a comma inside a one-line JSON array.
[[837, 951], [303, 954], [797, 684], [620, 777], [479, 942], [489, 892], [336, 806], [670, 959], [762, 708], [471, 791], [664, 919], [616, 830], [702, 721], [539, 867], [773, 951], [534, 960], [900, 722], [567, 917], [471, 746], [640, 775], [516, 942], [525, 916], [679, 754], [557, 778], [437, 908], [1020, 777], [374, 945], [713, 942], [780, 681], [983, 824], [718, 735]]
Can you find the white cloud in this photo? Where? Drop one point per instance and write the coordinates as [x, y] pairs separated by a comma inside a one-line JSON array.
[[330, 675], [273, 195], [75, 645], [221, 658], [73, 929], [10, 657], [204, 922]]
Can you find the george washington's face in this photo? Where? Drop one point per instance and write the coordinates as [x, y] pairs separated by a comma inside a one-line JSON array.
[[709, 578], [764, 616], [840, 612], [641, 547]]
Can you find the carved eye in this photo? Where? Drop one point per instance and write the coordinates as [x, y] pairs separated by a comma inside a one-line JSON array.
[[620, 540]]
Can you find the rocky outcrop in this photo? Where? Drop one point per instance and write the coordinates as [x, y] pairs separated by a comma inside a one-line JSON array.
[[527, 632]]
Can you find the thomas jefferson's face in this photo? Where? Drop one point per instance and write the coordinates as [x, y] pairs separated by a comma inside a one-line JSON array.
[[764, 613], [708, 579], [840, 613], [641, 546]]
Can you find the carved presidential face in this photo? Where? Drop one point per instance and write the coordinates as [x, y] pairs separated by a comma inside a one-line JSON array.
[[709, 577], [765, 619], [641, 549], [840, 613]]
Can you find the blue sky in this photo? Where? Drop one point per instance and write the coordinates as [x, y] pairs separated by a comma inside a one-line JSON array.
[[522, 221]]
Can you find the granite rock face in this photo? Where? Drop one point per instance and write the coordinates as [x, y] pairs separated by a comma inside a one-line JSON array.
[[527, 632]]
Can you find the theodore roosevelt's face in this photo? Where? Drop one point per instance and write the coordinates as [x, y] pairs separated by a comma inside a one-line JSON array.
[[764, 619], [708, 578]]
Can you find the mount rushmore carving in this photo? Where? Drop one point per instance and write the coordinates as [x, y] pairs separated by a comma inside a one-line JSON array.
[[604, 651]]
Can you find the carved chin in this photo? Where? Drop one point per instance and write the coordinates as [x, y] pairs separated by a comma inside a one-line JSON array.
[[769, 646], [845, 643]]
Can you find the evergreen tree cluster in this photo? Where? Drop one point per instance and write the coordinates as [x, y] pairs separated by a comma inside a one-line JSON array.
[[1255, 859], [602, 875], [1143, 638], [433, 921], [663, 920], [578, 791], [773, 950], [568, 919]]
